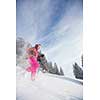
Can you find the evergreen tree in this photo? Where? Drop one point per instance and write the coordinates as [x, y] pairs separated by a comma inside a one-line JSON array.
[[50, 67], [56, 68], [61, 71], [82, 60], [78, 72]]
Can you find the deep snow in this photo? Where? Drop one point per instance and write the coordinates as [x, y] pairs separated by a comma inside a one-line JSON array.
[[47, 87]]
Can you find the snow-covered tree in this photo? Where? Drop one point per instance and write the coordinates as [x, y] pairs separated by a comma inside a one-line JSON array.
[[82, 60], [56, 68], [78, 71], [21, 54], [61, 71]]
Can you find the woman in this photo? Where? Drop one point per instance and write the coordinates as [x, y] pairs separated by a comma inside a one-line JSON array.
[[32, 59]]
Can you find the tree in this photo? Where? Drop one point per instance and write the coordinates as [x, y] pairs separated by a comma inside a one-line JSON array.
[[56, 69], [82, 60], [61, 71], [21, 54], [78, 72]]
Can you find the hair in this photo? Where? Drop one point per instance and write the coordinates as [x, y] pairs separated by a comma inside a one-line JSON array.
[[37, 45], [42, 55]]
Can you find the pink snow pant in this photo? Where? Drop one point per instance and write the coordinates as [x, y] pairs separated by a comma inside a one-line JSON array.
[[34, 65]]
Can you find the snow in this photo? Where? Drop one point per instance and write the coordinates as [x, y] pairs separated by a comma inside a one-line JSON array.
[[47, 87]]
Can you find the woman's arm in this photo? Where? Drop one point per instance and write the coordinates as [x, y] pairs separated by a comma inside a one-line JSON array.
[[35, 52], [28, 50]]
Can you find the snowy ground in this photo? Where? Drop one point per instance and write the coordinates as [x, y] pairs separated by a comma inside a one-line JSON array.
[[47, 87]]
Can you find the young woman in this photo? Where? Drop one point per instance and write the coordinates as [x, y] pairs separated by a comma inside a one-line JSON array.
[[32, 59]]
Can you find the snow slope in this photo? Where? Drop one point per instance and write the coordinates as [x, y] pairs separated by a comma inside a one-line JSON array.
[[47, 87]]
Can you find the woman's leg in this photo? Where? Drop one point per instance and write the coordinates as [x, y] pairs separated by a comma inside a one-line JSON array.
[[33, 75]]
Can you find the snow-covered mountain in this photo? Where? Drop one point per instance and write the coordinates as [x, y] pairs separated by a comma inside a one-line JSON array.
[[47, 87]]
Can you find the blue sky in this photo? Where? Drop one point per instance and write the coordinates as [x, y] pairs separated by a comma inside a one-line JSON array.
[[56, 24]]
